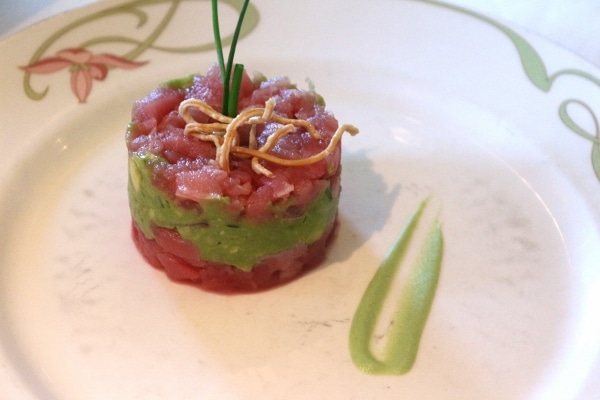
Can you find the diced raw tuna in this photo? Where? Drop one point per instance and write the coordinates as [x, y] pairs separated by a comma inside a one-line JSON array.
[[183, 170]]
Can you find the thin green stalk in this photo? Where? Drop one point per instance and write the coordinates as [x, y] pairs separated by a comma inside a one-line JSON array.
[[218, 43], [236, 83], [231, 87], [234, 90]]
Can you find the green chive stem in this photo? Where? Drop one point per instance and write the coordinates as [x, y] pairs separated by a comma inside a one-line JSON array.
[[236, 83], [218, 43], [231, 87]]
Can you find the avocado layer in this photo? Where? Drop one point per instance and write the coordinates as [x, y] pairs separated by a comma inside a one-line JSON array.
[[220, 235]]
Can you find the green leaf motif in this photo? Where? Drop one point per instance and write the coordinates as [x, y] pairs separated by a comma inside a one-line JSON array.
[[137, 47]]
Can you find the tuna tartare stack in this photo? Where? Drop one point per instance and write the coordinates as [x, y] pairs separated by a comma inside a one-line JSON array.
[[233, 204], [233, 183]]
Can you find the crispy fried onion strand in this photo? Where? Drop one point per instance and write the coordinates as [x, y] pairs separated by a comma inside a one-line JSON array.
[[225, 136]]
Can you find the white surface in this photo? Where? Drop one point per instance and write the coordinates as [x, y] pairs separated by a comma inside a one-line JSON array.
[[18, 14], [515, 316], [571, 24]]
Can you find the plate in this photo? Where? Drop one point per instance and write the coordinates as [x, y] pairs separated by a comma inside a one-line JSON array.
[[496, 127]]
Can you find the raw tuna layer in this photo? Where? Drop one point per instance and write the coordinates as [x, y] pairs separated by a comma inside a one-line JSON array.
[[181, 262], [189, 173], [179, 177]]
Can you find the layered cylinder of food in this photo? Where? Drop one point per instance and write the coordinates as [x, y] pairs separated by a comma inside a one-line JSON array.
[[233, 204]]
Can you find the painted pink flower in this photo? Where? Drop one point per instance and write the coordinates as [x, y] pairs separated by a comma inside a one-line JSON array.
[[84, 66]]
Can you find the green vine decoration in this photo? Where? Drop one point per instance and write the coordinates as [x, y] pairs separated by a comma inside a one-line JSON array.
[[595, 139], [86, 66], [537, 73]]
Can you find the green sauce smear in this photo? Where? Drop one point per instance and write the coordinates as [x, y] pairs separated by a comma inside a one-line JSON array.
[[411, 310]]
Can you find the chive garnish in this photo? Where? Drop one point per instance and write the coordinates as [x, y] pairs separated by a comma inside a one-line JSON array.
[[234, 95], [231, 87], [217, 33]]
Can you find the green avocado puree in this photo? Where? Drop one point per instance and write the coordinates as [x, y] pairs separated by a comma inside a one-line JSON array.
[[180, 83], [411, 310], [219, 234]]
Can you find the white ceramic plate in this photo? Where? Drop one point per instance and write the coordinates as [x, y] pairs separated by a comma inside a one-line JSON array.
[[451, 106]]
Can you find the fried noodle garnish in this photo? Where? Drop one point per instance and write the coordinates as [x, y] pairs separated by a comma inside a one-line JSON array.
[[224, 133]]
